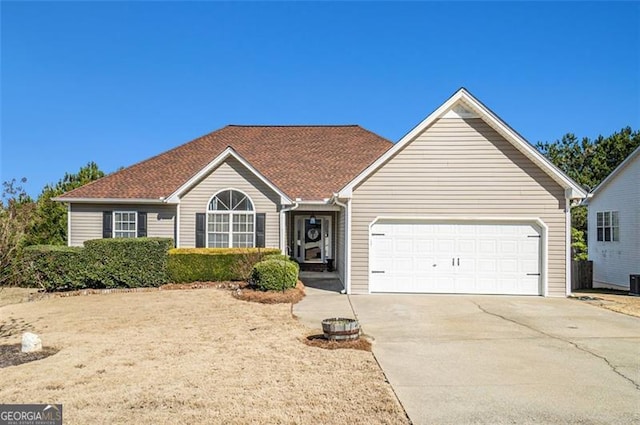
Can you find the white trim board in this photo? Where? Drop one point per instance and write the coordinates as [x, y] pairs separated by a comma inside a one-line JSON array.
[[113, 201], [462, 103]]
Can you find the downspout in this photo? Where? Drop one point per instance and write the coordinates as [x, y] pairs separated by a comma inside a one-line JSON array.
[[176, 228], [347, 242], [283, 227], [178, 225], [567, 218], [69, 224]]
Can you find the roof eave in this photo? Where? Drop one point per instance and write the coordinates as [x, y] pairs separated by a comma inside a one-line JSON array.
[[113, 200]]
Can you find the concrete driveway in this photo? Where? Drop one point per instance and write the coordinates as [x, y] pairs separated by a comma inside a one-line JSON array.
[[499, 359]]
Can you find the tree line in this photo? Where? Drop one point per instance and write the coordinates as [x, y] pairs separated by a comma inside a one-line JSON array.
[[25, 221], [588, 162]]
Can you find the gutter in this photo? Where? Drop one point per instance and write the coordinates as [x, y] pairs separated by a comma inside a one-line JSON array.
[[114, 200], [283, 226], [347, 239]]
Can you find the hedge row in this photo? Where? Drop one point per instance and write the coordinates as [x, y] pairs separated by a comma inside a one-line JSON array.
[[54, 267], [214, 264], [136, 262], [102, 263]]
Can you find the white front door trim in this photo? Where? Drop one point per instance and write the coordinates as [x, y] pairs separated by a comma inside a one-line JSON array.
[[326, 239], [544, 230]]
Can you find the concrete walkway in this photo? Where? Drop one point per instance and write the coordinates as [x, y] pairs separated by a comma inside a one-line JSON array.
[[497, 359], [323, 300]]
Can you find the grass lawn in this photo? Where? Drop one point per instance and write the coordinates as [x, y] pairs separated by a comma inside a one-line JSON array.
[[188, 356]]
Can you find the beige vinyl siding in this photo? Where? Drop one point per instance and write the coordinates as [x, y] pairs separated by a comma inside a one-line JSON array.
[[340, 245], [459, 167], [231, 174], [86, 220]]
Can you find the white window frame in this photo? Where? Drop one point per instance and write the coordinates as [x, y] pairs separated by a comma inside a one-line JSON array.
[[613, 226], [135, 222], [230, 214]]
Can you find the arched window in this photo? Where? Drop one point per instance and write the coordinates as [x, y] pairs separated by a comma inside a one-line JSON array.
[[230, 220]]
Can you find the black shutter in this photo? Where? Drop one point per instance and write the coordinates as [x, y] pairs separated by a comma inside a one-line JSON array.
[[260, 221], [142, 224], [201, 224], [107, 224]]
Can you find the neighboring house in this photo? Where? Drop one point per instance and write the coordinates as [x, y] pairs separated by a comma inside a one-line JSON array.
[[614, 225], [461, 204]]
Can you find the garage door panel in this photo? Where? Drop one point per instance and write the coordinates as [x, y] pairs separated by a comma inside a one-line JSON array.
[[455, 258]]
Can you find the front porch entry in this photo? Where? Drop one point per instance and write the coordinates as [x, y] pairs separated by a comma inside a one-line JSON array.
[[313, 239]]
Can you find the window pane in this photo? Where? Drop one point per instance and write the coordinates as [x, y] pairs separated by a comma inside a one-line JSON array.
[[599, 219], [616, 234], [124, 224], [614, 218], [218, 223], [244, 204], [218, 240], [607, 234], [600, 233], [607, 218], [242, 240]]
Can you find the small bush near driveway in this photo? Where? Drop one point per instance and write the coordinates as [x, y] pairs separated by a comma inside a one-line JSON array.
[[275, 275]]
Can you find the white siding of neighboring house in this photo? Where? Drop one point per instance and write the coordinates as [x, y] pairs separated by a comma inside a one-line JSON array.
[[613, 262], [231, 174], [459, 167], [86, 220]]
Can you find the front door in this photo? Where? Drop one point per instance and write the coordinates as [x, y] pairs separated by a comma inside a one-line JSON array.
[[312, 240]]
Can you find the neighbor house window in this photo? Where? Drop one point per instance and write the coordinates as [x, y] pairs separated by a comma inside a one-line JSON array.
[[608, 226], [230, 220], [124, 224]]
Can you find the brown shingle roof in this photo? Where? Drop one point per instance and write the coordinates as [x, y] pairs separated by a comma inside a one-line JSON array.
[[307, 162]]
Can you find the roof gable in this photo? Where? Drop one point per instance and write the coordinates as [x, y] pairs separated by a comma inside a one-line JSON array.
[[463, 105], [633, 156], [227, 153]]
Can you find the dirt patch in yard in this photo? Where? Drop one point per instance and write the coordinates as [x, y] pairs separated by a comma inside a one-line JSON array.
[[186, 356], [320, 341], [11, 355], [618, 301]]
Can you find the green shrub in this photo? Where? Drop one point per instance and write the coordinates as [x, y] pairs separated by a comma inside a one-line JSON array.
[[275, 275], [214, 264], [54, 268], [276, 257], [127, 262]]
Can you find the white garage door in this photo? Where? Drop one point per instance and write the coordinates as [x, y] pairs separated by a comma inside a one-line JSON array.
[[455, 258]]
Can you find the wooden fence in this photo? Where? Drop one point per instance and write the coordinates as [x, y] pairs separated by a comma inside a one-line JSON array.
[[581, 275]]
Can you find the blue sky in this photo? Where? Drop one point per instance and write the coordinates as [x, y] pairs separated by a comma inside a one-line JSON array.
[[118, 82]]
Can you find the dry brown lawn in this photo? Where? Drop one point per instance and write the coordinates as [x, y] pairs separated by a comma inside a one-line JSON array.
[[188, 356], [12, 295], [618, 301]]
